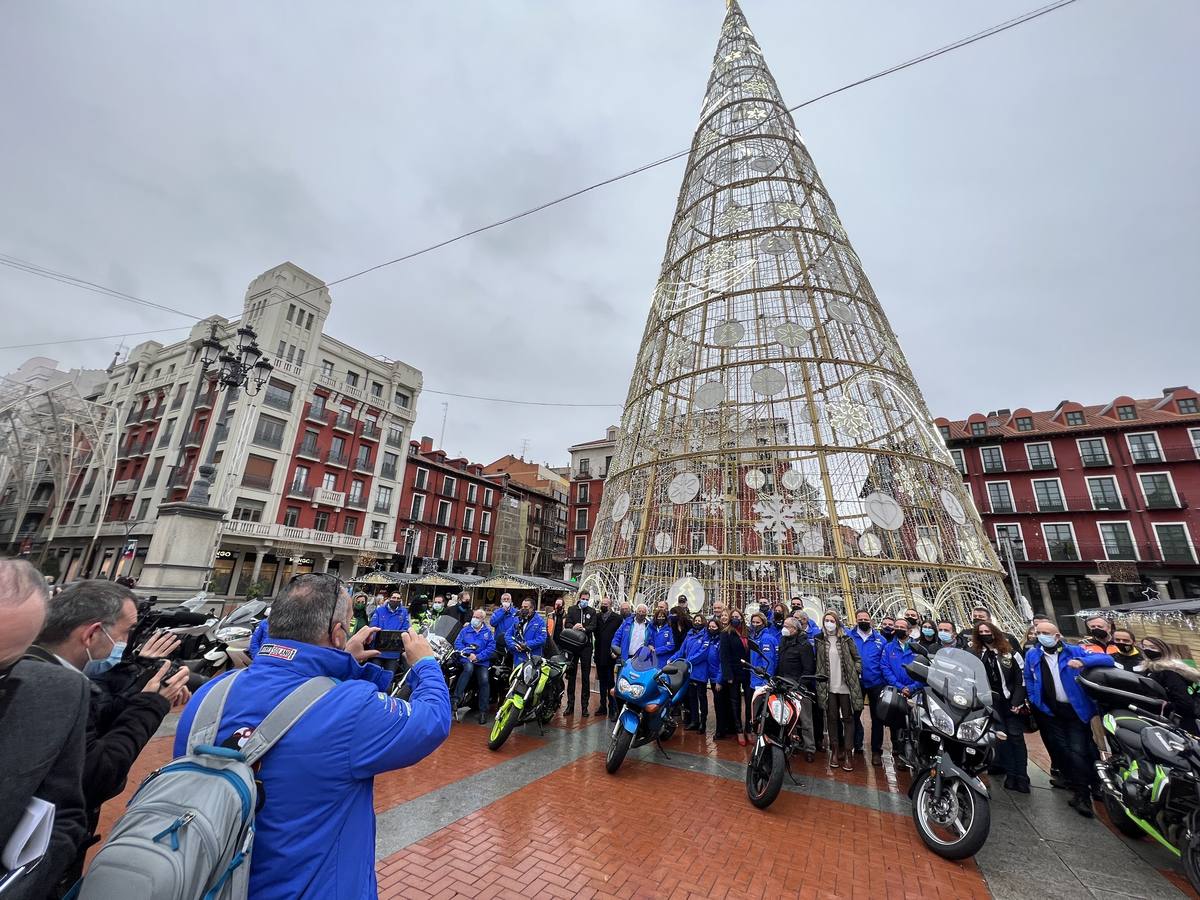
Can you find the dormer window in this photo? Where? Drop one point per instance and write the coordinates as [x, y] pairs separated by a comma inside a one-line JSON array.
[[978, 428], [1125, 413], [1075, 418], [1024, 423], [1189, 405], [945, 430]]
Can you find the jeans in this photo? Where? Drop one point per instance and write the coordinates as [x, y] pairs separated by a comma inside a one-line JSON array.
[[478, 671], [870, 695], [1069, 742], [697, 703], [838, 719]]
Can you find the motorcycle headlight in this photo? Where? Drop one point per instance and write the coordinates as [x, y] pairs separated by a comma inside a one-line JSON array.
[[780, 711], [939, 718], [630, 689], [972, 729], [232, 633], [527, 672]]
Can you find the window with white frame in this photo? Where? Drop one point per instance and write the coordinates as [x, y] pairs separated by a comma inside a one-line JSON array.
[[1075, 418], [1049, 495], [329, 481], [449, 486], [1104, 493], [1118, 540], [1188, 406], [469, 519], [1093, 451], [1159, 490], [464, 548], [1000, 497], [581, 519], [581, 545], [584, 492], [483, 551], [992, 459], [421, 481], [472, 493], [485, 523], [978, 428], [960, 461], [1126, 413], [418, 507], [1174, 542], [1060, 541], [1144, 447], [487, 496], [1040, 456], [443, 512], [439, 545], [1024, 423], [1011, 535], [1194, 434]]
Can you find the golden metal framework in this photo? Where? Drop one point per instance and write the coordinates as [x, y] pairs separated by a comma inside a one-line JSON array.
[[774, 442]]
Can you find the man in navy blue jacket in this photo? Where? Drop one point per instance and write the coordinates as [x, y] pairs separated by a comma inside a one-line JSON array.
[[390, 616], [870, 645], [315, 831]]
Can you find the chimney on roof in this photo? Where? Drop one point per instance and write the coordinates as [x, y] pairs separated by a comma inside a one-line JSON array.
[[426, 444], [1167, 392], [1004, 412]]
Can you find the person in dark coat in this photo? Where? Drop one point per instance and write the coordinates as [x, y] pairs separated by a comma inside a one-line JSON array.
[[583, 617], [1004, 666], [1179, 680], [839, 687], [86, 628], [43, 729], [798, 661], [606, 625], [462, 608], [735, 670]]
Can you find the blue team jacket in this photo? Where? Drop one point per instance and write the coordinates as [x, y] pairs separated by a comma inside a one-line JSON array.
[[502, 622], [870, 651], [895, 657], [482, 643], [1080, 702], [695, 649], [714, 660], [660, 639], [385, 618], [256, 640], [767, 656], [315, 832], [532, 634]]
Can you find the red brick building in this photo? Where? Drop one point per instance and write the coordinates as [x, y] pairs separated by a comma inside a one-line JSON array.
[[589, 467], [447, 512], [1096, 501]]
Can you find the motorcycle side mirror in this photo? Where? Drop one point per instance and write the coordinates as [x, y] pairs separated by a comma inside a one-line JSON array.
[[753, 645]]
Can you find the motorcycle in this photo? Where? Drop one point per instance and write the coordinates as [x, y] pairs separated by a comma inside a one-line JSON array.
[[535, 689], [776, 708], [441, 635], [1151, 778], [647, 694], [947, 739], [229, 639]]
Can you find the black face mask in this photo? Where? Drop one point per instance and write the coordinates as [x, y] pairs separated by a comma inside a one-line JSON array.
[[912, 623], [987, 639], [660, 620], [887, 631], [697, 627], [1125, 649], [712, 632], [1099, 634], [864, 626], [1152, 654]]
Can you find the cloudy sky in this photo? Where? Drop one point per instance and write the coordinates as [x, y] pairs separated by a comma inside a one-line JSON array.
[[1026, 208]]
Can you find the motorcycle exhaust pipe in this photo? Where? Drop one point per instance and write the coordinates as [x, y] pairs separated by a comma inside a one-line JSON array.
[[1106, 782]]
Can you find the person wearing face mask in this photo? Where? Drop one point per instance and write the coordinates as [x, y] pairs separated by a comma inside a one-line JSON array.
[[809, 630], [502, 622], [1062, 710], [779, 614], [797, 661], [980, 613], [721, 706], [927, 638], [554, 621], [946, 635], [581, 616], [1099, 635], [391, 616], [896, 655], [462, 608], [476, 644], [606, 624], [528, 636], [86, 629], [870, 644], [662, 638], [1179, 680], [766, 656], [694, 648], [634, 633], [360, 620], [1128, 656], [1003, 664], [680, 619], [839, 688], [735, 672]]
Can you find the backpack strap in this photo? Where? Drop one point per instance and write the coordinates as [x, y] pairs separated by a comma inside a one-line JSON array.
[[208, 716], [286, 714]]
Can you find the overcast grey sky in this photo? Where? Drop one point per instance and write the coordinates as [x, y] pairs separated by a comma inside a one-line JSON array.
[[1026, 208]]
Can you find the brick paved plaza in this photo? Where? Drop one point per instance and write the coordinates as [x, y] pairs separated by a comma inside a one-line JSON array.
[[541, 818]]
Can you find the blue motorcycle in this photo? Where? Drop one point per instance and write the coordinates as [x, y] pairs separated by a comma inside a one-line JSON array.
[[647, 694]]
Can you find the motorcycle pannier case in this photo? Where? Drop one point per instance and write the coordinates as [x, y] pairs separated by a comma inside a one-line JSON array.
[[1118, 689], [892, 707], [571, 640]]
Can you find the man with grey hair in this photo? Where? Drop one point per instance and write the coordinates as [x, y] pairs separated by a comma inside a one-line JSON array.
[[315, 833], [633, 634], [44, 715], [86, 629], [797, 660]]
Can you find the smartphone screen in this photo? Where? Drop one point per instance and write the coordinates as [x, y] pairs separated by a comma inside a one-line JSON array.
[[388, 640]]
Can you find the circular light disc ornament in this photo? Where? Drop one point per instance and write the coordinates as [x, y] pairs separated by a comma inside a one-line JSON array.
[[627, 529], [620, 507], [884, 511], [692, 589], [953, 506], [812, 542], [707, 550], [663, 542], [792, 480], [927, 550], [825, 570], [792, 335], [755, 479], [683, 487], [768, 381], [728, 333], [870, 545], [764, 164], [709, 395], [841, 311], [775, 244]]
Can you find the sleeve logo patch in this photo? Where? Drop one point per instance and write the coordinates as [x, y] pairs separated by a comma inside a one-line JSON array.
[[278, 651]]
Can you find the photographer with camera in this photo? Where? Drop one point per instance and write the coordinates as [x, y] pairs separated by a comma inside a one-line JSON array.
[[86, 630]]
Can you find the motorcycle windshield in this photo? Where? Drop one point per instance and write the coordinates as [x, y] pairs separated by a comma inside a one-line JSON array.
[[245, 613], [194, 603], [644, 660], [446, 627], [959, 677]]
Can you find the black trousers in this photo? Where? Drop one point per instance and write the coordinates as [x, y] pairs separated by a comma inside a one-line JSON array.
[[723, 704], [740, 695], [605, 675], [697, 703], [870, 695], [1069, 743], [580, 661]]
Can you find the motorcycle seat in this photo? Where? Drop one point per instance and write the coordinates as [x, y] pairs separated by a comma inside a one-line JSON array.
[[676, 674], [559, 662]]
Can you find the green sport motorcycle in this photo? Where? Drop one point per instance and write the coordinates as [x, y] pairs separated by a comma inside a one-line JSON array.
[[535, 689], [1151, 779]]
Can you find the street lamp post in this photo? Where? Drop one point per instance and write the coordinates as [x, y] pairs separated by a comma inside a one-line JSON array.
[[1009, 545]]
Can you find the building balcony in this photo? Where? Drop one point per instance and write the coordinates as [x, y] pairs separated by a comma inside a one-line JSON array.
[[206, 400], [387, 471], [221, 433], [1042, 465], [310, 536], [369, 432], [383, 506], [326, 497], [344, 422], [194, 438], [395, 440], [308, 450], [299, 489], [127, 486], [317, 414], [1165, 501], [277, 401], [259, 482], [356, 501], [164, 439], [178, 401], [334, 458], [1093, 461], [270, 441], [182, 478], [364, 464]]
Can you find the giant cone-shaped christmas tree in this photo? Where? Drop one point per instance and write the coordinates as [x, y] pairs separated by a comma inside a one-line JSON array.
[[774, 443]]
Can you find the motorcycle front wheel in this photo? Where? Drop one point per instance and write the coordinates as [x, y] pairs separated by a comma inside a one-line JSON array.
[[764, 775], [1191, 862], [956, 826], [617, 748], [506, 720]]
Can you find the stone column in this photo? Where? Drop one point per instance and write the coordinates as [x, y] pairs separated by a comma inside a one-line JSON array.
[[179, 559], [237, 573], [1073, 594], [1099, 582], [1164, 588], [259, 553], [324, 564], [1043, 583]]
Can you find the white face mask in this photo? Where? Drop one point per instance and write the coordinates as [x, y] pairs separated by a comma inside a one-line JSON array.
[[478, 623], [507, 604], [788, 632], [830, 627]]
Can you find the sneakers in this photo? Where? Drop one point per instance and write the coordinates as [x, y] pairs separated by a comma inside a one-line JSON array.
[[876, 759], [460, 713], [1082, 804]]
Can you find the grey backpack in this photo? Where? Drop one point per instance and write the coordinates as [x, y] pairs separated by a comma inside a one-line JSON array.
[[188, 831]]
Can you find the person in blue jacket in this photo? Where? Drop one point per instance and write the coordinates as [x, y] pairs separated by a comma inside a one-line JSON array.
[[870, 645], [635, 632], [502, 622], [662, 638], [722, 710], [1061, 708], [695, 649], [767, 655], [315, 831], [896, 655], [476, 644], [261, 631], [391, 616], [527, 636]]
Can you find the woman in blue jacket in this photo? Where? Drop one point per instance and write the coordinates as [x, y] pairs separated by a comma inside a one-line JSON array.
[[721, 705], [767, 655], [695, 649]]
